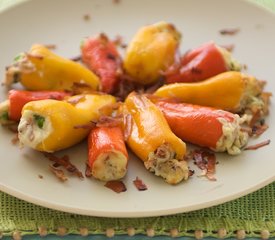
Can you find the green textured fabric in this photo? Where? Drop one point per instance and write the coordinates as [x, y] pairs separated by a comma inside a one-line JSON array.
[[252, 213]]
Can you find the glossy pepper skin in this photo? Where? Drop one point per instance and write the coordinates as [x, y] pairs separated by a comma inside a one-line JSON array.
[[108, 157], [18, 98], [151, 51], [101, 56], [204, 126], [41, 69], [51, 125], [151, 136], [201, 63], [232, 91]]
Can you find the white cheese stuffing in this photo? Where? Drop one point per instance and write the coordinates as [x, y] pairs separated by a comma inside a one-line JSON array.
[[232, 139], [166, 166], [29, 133], [110, 166]]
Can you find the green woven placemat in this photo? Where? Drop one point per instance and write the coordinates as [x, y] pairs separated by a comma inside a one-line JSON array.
[[253, 214]]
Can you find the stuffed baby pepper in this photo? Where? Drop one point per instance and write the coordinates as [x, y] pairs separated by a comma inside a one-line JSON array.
[[51, 125], [10, 109], [201, 63], [152, 140], [232, 91], [108, 157], [101, 56], [151, 51], [204, 126], [41, 69]]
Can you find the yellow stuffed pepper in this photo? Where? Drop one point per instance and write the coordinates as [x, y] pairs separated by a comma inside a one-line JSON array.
[[41, 69], [151, 51], [152, 140], [51, 125], [231, 91]]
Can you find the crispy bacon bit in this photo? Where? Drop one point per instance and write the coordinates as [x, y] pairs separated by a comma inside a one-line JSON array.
[[64, 162], [40, 176], [191, 173], [50, 46], [127, 120], [229, 31], [116, 186], [140, 185], [257, 130], [59, 173], [107, 121], [116, 1], [76, 99], [206, 161], [89, 125], [88, 171], [87, 17], [258, 145]]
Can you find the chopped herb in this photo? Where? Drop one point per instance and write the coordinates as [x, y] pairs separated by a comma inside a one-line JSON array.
[[4, 116], [19, 57], [39, 120]]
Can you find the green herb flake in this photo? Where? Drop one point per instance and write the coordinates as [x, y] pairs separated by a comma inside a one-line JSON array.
[[4, 116], [19, 57], [39, 120]]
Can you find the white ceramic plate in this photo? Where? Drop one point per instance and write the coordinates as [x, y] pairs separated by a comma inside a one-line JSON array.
[[61, 22]]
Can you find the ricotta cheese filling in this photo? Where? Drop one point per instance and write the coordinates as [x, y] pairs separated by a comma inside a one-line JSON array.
[[163, 163], [110, 166], [31, 132], [232, 139]]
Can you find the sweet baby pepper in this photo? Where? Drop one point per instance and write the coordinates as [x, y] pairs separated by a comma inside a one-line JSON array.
[[12, 107], [108, 157], [204, 126], [151, 51], [232, 91], [152, 140], [41, 69], [51, 125], [101, 56], [201, 63]]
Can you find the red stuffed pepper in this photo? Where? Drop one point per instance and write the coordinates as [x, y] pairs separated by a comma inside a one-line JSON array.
[[101, 56], [108, 157], [204, 126], [201, 63], [12, 107]]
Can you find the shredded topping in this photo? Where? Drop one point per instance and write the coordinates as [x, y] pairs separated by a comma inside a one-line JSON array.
[[206, 161], [139, 184], [116, 185], [59, 173], [64, 162], [258, 145]]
